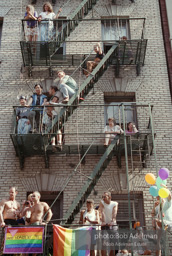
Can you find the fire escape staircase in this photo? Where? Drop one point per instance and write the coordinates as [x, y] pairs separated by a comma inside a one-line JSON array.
[[37, 144], [91, 182], [48, 49], [76, 17], [85, 88]]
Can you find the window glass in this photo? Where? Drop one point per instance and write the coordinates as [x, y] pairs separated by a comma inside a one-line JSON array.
[[61, 24], [114, 29], [114, 110]]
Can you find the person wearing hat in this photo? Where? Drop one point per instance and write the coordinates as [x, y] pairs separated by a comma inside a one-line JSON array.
[[90, 216], [22, 114], [111, 131]]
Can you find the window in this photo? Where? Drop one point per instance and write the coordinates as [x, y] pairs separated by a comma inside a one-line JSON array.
[[112, 108], [49, 198], [62, 49], [114, 30], [1, 22], [59, 26], [137, 209]]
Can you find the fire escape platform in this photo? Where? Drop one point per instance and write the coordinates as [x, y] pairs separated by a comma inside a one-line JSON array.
[[39, 145]]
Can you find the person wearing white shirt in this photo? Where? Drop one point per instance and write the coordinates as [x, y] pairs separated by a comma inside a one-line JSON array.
[[90, 217], [108, 211], [111, 131], [46, 18]]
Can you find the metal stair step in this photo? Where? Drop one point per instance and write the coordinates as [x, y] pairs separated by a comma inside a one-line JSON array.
[[89, 185]]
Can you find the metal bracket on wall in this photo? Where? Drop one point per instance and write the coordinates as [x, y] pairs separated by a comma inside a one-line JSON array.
[[19, 150], [46, 157], [30, 71], [138, 69], [50, 71], [117, 68]]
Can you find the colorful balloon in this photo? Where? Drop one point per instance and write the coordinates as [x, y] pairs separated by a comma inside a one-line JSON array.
[[136, 224], [154, 191], [163, 173], [159, 181], [164, 192], [150, 178]]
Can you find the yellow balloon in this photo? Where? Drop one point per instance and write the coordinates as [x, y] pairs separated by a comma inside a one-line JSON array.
[[164, 192], [150, 178]]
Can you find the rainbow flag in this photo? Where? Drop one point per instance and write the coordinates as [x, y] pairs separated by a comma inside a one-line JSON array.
[[64, 241], [23, 240]]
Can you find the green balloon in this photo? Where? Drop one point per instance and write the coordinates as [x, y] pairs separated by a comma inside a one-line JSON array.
[[159, 181]]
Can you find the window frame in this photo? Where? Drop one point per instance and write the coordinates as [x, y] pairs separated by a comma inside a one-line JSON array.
[[63, 45], [107, 45], [51, 195], [119, 97], [135, 197]]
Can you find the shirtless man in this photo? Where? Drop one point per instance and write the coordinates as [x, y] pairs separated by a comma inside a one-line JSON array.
[[38, 210], [9, 209]]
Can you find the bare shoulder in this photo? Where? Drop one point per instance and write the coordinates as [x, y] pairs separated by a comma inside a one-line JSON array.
[[3, 203], [82, 213], [44, 204]]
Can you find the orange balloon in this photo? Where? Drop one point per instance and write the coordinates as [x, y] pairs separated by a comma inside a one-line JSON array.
[[150, 178], [136, 224]]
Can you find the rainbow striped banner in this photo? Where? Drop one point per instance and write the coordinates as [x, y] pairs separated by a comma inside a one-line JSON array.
[[64, 242], [23, 240]]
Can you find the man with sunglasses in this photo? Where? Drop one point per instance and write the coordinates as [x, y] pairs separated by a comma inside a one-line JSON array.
[[35, 214], [108, 211]]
